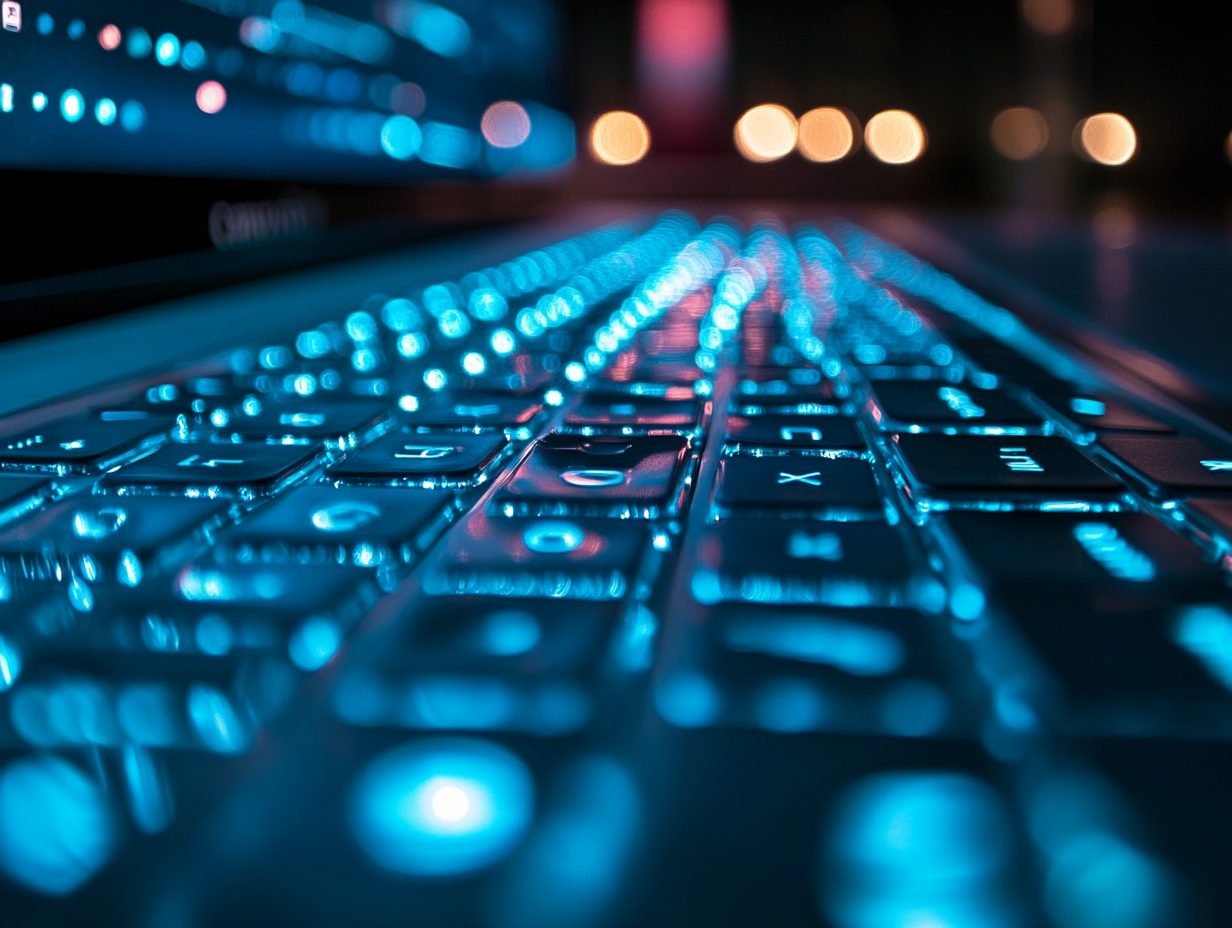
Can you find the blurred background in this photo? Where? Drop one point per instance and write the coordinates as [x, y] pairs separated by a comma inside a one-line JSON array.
[[1082, 145]]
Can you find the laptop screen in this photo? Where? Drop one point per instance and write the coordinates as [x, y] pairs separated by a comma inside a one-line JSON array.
[[337, 90]]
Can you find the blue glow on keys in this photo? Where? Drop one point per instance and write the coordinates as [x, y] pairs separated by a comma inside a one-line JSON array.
[[858, 649], [442, 807], [1118, 556]]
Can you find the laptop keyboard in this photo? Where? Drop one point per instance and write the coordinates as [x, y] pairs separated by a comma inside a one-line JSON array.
[[672, 574]]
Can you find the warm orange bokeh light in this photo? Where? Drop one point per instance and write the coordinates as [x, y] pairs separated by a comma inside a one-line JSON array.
[[619, 138], [826, 134], [1107, 138], [766, 132], [895, 137], [1019, 133], [1048, 17]]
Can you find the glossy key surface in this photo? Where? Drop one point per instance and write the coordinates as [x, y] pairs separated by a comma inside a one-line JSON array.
[[1170, 465], [793, 432], [79, 441], [405, 453]]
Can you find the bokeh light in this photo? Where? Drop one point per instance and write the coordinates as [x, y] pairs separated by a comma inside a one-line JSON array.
[[442, 807], [109, 37], [619, 138], [895, 137], [1106, 138], [211, 97], [1048, 17], [826, 134], [1227, 146], [505, 124], [1019, 133], [766, 133]]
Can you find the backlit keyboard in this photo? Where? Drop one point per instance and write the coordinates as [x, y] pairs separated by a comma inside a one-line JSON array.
[[673, 574]]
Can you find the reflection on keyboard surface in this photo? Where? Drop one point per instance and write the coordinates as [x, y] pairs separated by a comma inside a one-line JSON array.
[[672, 574]]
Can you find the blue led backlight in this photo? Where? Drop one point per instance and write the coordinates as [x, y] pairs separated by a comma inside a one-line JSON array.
[[6, 98], [441, 807], [167, 50], [138, 44], [72, 105], [132, 116], [105, 111], [45, 24], [39, 102], [401, 137]]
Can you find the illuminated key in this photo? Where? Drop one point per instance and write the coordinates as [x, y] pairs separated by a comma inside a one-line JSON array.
[[1170, 466], [779, 486], [568, 475], [214, 468], [81, 444], [793, 432], [443, 458]]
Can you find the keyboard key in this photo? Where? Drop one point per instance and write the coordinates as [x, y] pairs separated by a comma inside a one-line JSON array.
[[1130, 554], [999, 359], [598, 476], [1099, 411], [214, 469], [1170, 466], [816, 487], [128, 530], [557, 558], [365, 526], [793, 432], [81, 444], [17, 491], [928, 406], [475, 410], [449, 459], [1129, 671], [795, 669], [1216, 514], [342, 422], [804, 382], [624, 414], [831, 564], [1027, 471], [283, 592]]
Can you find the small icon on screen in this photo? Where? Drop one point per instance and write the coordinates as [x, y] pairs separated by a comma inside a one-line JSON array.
[[12, 16]]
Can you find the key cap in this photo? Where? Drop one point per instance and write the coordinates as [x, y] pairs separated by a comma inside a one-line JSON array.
[[1214, 514], [81, 444], [833, 564], [793, 432], [122, 536], [1129, 554], [1099, 411], [213, 469], [997, 358], [559, 558], [1136, 671], [804, 382], [485, 410], [341, 422], [477, 662], [794, 669], [368, 525], [287, 592], [527, 639], [620, 413], [407, 457], [16, 491], [1169, 466], [963, 470], [928, 406], [770, 487], [607, 477]]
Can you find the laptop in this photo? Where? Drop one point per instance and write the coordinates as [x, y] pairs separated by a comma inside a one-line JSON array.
[[637, 563]]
